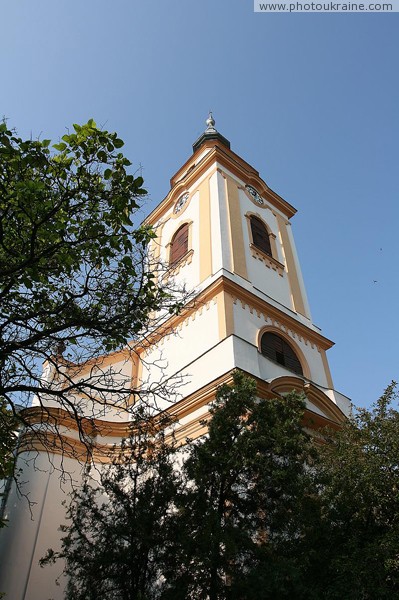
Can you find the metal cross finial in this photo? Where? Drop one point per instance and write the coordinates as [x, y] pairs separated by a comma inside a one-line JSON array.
[[210, 123]]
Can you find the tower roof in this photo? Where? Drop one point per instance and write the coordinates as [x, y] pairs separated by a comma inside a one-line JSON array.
[[210, 133]]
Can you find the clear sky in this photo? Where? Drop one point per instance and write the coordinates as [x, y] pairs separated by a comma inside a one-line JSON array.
[[310, 100]]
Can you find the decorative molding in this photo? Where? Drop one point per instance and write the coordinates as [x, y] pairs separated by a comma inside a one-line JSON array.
[[57, 443], [175, 269], [267, 260], [292, 270]]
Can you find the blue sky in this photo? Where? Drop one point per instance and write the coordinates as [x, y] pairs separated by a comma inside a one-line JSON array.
[[310, 100]]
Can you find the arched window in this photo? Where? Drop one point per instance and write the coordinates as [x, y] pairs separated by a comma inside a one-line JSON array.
[[277, 349], [260, 236], [179, 244]]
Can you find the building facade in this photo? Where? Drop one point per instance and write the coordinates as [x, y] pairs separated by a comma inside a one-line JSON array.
[[226, 235]]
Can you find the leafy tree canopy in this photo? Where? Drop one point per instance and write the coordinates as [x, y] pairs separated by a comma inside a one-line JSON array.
[[355, 544], [8, 442], [74, 269]]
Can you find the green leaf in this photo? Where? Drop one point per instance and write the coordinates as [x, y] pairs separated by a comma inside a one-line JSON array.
[[60, 147]]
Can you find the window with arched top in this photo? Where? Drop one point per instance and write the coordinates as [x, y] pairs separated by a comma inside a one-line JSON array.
[[179, 244], [277, 349], [260, 235]]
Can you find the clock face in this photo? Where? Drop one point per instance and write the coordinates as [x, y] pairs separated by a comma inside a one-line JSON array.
[[180, 203], [255, 195]]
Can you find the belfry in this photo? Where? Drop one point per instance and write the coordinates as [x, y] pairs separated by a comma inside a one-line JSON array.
[[225, 235]]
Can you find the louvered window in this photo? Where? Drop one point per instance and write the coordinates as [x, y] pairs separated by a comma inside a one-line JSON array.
[[179, 244], [260, 236], [278, 350]]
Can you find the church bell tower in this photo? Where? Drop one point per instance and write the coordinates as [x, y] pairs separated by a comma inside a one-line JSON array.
[[225, 234]]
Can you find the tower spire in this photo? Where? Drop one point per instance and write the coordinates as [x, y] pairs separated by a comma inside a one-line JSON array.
[[210, 133], [210, 124]]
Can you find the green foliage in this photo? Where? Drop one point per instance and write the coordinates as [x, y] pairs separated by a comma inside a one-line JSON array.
[[8, 442], [246, 483], [74, 269], [119, 526], [260, 510], [355, 544]]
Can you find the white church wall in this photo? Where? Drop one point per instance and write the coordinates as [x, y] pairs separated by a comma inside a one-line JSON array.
[[190, 359], [175, 352], [299, 272], [342, 401], [192, 375], [221, 233], [32, 529], [109, 373]]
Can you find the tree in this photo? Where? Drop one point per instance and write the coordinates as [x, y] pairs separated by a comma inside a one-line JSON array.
[[220, 532], [264, 511], [76, 279], [354, 547], [247, 485], [8, 442], [118, 529]]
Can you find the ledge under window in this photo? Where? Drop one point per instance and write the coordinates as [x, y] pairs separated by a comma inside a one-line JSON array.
[[182, 262], [269, 261]]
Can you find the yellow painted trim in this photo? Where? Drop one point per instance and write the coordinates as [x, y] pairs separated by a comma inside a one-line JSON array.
[[285, 384], [256, 303], [51, 442], [225, 315], [157, 242], [205, 236], [235, 292], [229, 261], [278, 387], [139, 377], [296, 293], [192, 430], [327, 369], [235, 224], [79, 368], [245, 297]]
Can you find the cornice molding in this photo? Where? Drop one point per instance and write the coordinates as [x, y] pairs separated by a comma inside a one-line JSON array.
[[58, 443], [226, 158], [276, 314]]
